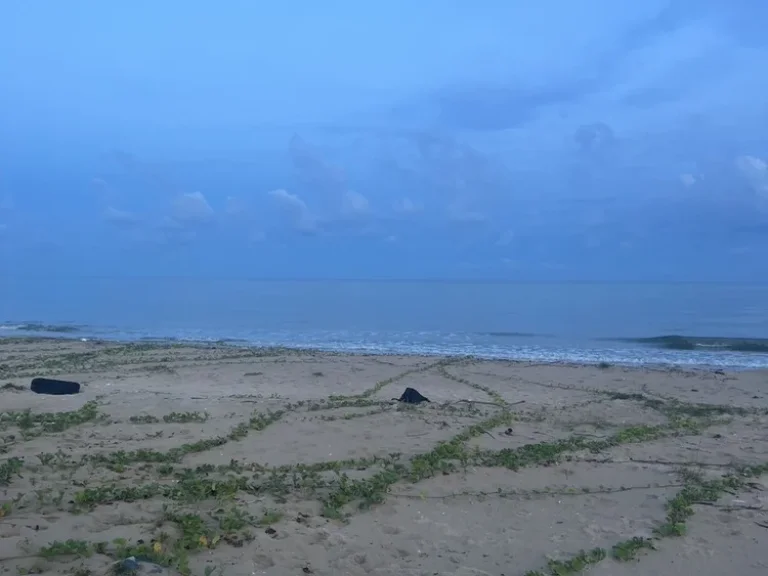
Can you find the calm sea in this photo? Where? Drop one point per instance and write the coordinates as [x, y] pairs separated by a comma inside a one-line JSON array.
[[721, 324]]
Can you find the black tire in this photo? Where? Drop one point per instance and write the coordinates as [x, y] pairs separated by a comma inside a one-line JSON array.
[[53, 386]]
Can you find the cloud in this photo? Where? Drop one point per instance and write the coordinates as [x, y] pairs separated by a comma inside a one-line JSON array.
[[149, 173], [594, 136], [755, 171], [655, 58], [120, 218], [192, 209], [407, 206], [313, 170], [292, 201], [297, 209], [673, 63], [169, 224], [167, 230], [687, 180], [356, 204]]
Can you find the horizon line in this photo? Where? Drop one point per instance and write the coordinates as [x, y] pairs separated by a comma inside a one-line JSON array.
[[395, 280]]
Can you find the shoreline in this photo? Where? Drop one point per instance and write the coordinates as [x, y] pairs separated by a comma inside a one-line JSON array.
[[214, 460], [363, 352]]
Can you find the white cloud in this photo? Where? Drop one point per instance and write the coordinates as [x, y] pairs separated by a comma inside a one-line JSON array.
[[751, 163], [356, 203], [290, 200], [313, 169], [169, 224], [302, 217], [755, 170], [510, 263], [687, 180], [120, 217], [192, 208]]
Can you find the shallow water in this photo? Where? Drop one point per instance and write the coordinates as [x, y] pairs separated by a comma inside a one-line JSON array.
[[550, 322]]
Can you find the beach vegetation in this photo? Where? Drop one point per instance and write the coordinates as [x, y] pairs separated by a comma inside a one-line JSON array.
[[212, 505]]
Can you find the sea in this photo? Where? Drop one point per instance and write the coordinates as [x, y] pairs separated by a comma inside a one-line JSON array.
[[723, 325]]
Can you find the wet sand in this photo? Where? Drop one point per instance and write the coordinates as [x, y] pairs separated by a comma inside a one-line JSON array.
[[220, 460]]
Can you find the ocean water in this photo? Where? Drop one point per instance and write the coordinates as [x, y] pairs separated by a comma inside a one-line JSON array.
[[713, 324]]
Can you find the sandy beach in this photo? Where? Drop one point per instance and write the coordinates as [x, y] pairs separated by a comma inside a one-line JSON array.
[[218, 460]]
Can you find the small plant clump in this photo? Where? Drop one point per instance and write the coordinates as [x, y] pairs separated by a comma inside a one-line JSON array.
[[185, 417], [629, 549], [77, 548], [172, 418], [9, 469], [11, 387], [33, 424], [144, 419]]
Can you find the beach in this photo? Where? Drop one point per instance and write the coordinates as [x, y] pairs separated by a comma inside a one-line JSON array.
[[230, 460]]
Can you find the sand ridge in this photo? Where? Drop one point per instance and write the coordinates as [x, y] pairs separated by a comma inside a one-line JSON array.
[[216, 459]]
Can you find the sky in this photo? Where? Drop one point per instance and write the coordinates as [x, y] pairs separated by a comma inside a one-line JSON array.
[[494, 139]]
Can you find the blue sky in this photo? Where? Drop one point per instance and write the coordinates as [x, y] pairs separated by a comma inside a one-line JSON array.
[[554, 140]]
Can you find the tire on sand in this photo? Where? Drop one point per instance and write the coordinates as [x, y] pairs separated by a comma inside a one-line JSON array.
[[54, 386]]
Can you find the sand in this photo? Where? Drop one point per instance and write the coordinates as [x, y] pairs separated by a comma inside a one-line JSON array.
[[216, 460]]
